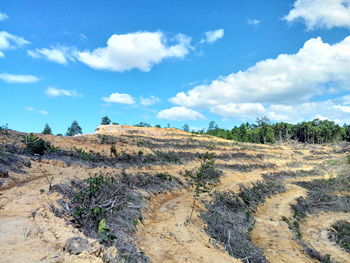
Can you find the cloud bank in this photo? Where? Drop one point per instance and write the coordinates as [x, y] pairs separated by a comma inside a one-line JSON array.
[[321, 13]]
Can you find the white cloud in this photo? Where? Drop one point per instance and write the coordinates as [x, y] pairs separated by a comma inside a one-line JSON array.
[[345, 109], [346, 99], [11, 78], [213, 36], [3, 16], [239, 110], [43, 112], [8, 41], [120, 98], [151, 100], [253, 21], [286, 79], [53, 92], [59, 54], [321, 13], [141, 50], [179, 114], [309, 111]]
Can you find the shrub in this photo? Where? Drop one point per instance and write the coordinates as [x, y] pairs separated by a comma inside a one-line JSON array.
[[340, 232], [107, 139], [36, 145], [202, 180]]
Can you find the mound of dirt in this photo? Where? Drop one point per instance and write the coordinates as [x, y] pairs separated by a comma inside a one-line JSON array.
[[134, 130]]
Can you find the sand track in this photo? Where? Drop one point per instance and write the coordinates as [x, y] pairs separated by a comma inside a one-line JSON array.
[[165, 237], [315, 234], [272, 234]]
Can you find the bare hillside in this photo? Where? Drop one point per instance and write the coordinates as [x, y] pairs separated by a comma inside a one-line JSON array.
[[129, 193]]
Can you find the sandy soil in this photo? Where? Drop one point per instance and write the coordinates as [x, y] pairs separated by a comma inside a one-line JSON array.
[[30, 232], [272, 234], [315, 233]]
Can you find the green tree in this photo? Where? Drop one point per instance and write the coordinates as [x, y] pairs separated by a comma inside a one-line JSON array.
[[143, 124], [267, 134], [105, 120], [74, 129], [157, 126], [186, 128], [212, 126], [47, 129]]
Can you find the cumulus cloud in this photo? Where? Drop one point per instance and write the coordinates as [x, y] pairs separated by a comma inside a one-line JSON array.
[[237, 110], [121, 98], [141, 50], [310, 110], [321, 13], [9, 41], [286, 79], [53, 92], [3, 16], [43, 112], [59, 54], [11, 78], [180, 114], [151, 100], [213, 36]]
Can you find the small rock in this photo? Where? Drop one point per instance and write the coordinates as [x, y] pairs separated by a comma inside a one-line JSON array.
[[76, 245]]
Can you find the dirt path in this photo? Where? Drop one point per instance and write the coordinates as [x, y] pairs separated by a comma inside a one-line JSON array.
[[315, 233], [165, 237], [272, 234]]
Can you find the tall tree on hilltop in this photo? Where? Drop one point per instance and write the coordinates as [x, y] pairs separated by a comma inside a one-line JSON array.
[[186, 128], [47, 129], [74, 129], [105, 120]]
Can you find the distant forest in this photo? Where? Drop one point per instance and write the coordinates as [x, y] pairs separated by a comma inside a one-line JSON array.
[[316, 131], [263, 131]]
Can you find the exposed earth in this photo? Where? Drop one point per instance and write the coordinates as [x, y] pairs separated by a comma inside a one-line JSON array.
[[31, 230]]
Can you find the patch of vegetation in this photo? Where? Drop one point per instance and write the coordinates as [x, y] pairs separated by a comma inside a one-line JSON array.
[[204, 178], [246, 168], [109, 208], [36, 145], [292, 174], [4, 128], [107, 139], [340, 233], [229, 218]]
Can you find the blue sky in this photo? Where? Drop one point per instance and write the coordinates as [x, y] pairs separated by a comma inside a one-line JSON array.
[[173, 62]]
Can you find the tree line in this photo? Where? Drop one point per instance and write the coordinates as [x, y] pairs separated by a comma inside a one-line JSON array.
[[263, 131]]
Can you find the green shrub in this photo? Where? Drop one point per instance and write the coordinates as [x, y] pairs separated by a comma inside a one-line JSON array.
[[341, 233], [36, 145]]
